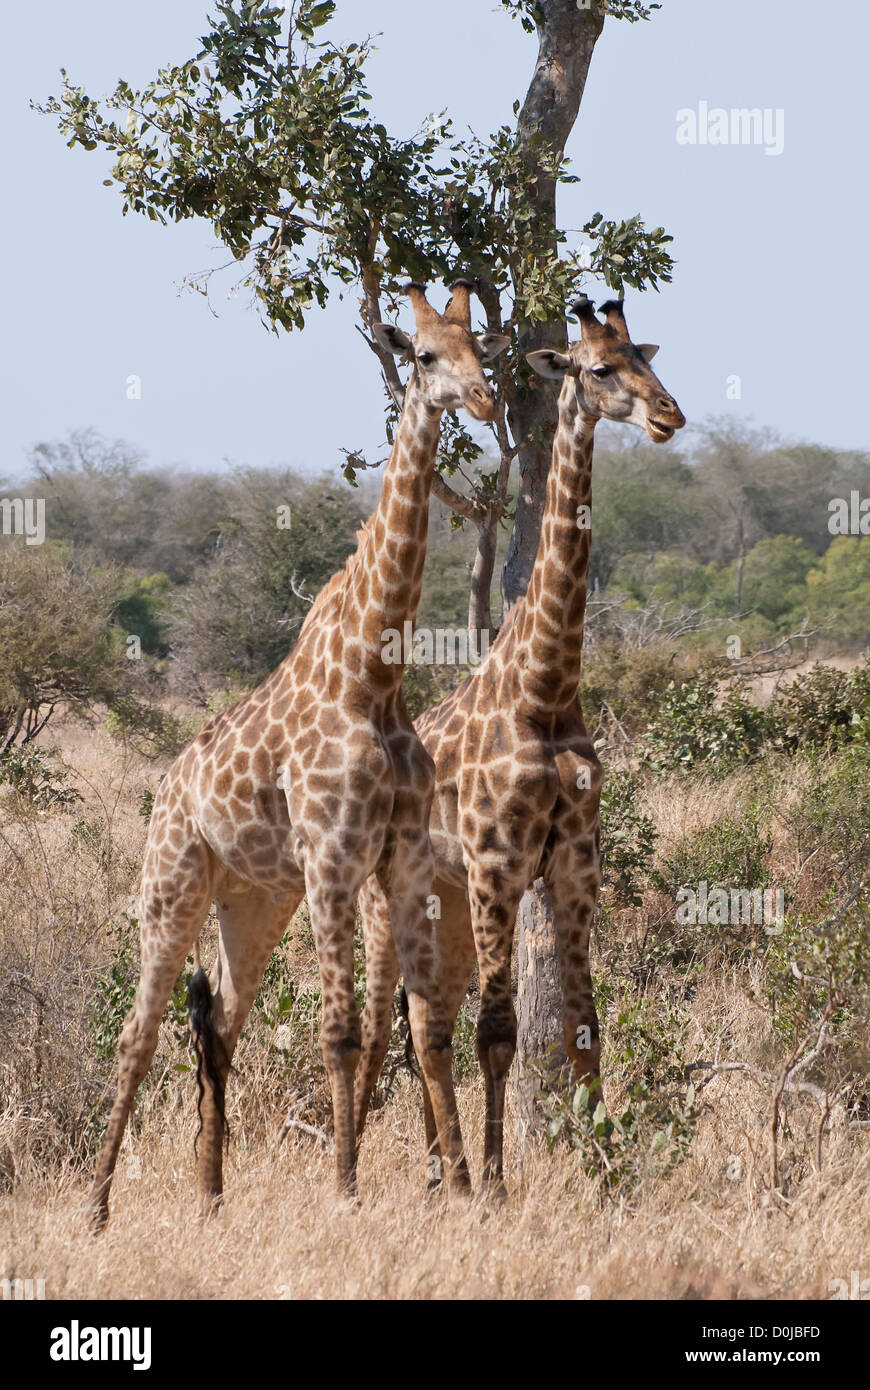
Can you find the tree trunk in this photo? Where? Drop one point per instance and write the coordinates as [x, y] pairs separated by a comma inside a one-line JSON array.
[[479, 599], [567, 37], [566, 41], [541, 1055]]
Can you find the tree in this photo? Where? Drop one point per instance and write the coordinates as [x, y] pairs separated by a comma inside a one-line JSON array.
[[266, 133], [56, 640], [279, 540], [839, 589]]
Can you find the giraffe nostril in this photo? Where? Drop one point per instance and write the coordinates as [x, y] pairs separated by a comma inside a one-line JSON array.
[[667, 403]]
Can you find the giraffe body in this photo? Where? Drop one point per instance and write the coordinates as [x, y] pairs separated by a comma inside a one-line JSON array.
[[517, 777], [308, 785]]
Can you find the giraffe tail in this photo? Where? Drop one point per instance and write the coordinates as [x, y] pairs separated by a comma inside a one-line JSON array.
[[410, 1054], [212, 1062]]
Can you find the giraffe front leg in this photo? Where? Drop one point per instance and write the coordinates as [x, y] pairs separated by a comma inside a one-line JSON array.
[[494, 901], [573, 879], [419, 955], [333, 911]]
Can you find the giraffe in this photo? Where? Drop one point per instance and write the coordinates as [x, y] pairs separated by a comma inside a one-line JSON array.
[[308, 785], [517, 778]]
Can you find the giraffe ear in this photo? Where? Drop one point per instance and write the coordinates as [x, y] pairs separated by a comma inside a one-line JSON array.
[[647, 350], [548, 363], [392, 339], [491, 344]]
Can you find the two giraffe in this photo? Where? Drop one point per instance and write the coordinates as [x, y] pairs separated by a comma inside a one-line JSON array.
[[517, 777], [309, 785], [317, 782]]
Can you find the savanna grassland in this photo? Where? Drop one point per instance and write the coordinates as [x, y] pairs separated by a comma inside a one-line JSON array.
[[732, 1159]]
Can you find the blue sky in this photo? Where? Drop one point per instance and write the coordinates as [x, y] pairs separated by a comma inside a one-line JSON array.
[[764, 244]]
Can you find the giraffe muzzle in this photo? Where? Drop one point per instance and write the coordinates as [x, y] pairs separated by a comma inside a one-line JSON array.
[[481, 403], [663, 426]]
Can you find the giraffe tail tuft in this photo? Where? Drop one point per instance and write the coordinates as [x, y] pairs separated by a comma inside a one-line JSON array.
[[410, 1054], [212, 1062]]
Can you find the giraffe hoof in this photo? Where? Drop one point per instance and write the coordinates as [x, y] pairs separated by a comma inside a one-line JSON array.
[[210, 1203], [97, 1217]]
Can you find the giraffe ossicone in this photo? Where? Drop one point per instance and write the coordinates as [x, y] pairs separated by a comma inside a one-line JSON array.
[[308, 785]]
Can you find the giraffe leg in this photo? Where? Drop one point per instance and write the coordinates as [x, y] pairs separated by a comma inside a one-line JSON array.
[[172, 911], [333, 912], [417, 946], [494, 905], [251, 924], [573, 879], [382, 973], [456, 967]]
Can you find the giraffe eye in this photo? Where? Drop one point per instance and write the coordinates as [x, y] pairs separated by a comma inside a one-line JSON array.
[[425, 358], [600, 372]]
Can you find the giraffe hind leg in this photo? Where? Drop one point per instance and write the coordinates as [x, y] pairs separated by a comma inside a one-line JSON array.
[[382, 973], [172, 910], [251, 925]]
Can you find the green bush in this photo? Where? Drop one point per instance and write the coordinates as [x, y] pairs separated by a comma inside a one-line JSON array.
[[731, 853], [26, 769], [698, 724], [651, 1132], [830, 820], [150, 730], [56, 639], [823, 707], [819, 966], [143, 611], [628, 838], [630, 683]]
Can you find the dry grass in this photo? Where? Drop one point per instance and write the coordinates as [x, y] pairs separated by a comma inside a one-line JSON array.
[[716, 1227], [283, 1234]]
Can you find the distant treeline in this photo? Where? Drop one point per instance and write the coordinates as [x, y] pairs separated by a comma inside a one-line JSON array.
[[217, 570]]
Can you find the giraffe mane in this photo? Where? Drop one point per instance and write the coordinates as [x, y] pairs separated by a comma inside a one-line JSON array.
[[340, 577]]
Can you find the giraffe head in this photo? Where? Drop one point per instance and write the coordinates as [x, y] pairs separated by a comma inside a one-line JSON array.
[[612, 374], [446, 356]]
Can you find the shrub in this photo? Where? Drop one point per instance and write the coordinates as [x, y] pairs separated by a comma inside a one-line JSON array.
[[728, 854], [56, 639], [650, 1134], [830, 820], [819, 972], [823, 707], [631, 683], [143, 611], [697, 724], [27, 771], [628, 838]]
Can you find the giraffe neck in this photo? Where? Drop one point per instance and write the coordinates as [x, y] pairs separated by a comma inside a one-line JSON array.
[[383, 591], [549, 629]]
